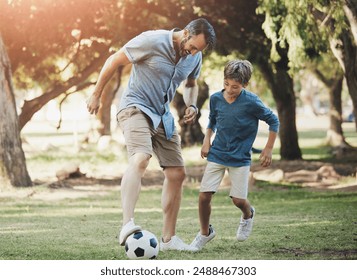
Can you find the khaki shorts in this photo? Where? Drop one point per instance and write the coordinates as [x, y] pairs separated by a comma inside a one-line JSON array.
[[141, 137], [214, 174]]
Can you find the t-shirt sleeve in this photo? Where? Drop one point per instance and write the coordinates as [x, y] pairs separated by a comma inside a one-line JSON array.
[[197, 70], [267, 115], [212, 115], [138, 48]]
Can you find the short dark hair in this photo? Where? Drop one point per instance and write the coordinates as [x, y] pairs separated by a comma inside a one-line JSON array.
[[238, 70], [202, 26]]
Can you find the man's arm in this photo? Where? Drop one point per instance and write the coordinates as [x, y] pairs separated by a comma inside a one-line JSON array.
[[112, 63], [190, 94]]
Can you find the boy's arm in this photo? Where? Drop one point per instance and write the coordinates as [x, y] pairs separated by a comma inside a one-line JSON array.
[[206, 143], [267, 153]]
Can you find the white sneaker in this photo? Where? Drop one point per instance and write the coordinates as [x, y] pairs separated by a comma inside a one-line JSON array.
[[176, 244], [201, 240], [127, 229], [245, 226]]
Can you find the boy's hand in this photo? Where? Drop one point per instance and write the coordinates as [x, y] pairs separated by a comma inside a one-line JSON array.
[[265, 157], [204, 150]]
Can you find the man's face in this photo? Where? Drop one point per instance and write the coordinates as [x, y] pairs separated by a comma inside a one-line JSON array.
[[192, 44]]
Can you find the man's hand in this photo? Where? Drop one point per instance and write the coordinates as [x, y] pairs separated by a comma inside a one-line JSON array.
[[93, 104], [190, 115]]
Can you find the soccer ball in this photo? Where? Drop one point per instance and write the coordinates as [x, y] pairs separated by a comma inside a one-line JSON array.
[[142, 245]]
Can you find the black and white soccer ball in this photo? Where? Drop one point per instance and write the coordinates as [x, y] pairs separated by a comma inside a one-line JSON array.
[[142, 245]]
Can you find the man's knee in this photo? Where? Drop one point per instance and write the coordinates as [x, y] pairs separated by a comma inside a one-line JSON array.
[[176, 174], [139, 162]]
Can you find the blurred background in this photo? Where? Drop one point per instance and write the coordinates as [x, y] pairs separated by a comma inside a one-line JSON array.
[[304, 55]]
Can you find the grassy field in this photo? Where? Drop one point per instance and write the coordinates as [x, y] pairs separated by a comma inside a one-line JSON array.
[[291, 224], [52, 221]]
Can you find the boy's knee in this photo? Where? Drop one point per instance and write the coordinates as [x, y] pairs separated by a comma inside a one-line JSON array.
[[239, 202], [205, 197]]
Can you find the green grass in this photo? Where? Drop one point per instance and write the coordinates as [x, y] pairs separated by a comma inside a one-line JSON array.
[[291, 224]]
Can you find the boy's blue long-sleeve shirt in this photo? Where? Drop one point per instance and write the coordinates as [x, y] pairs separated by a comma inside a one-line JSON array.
[[236, 126]]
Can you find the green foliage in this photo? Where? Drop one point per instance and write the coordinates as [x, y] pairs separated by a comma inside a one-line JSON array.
[[301, 26]]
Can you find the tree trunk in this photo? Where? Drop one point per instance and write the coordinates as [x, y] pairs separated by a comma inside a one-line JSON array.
[[281, 85], [335, 137], [350, 61], [350, 9], [191, 134], [335, 133], [346, 53], [13, 170], [104, 113]]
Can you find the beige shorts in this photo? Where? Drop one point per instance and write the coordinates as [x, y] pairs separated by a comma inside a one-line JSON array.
[[214, 174], [141, 137]]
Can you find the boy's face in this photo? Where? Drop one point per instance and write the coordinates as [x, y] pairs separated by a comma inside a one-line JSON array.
[[232, 88]]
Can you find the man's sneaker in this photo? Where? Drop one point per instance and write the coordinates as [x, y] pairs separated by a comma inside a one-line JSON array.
[[127, 229], [201, 240], [176, 244], [245, 226]]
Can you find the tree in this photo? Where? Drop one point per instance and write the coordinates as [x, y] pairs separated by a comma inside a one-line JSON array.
[[239, 29], [341, 26], [13, 169], [326, 69], [59, 46], [54, 46], [308, 28]]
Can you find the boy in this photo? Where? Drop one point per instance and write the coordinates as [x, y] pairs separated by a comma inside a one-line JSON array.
[[234, 117]]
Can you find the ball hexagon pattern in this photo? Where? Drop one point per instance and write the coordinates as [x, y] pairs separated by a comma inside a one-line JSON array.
[[142, 245]]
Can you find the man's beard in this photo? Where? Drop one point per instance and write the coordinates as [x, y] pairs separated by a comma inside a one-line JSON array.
[[182, 51]]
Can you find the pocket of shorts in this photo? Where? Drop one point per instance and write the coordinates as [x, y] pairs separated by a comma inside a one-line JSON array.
[[133, 111]]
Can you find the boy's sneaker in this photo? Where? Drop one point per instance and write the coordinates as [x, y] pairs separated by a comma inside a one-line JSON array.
[[176, 244], [201, 240], [245, 226], [127, 229]]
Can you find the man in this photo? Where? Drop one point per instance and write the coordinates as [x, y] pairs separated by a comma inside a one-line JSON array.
[[161, 60]]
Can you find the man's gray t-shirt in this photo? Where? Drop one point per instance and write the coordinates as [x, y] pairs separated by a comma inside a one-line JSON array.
[[154, 73]]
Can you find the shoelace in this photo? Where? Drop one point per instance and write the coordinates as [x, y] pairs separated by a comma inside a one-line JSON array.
[[198, 240], [243, 222]]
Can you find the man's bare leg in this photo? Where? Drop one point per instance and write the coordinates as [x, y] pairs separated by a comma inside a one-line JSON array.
[[131, 184], [171, 200]]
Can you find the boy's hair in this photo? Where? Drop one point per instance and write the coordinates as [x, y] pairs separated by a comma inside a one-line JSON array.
[[238, 70], [202, 26]]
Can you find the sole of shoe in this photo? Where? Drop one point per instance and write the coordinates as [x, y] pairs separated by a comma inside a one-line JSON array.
[[123, 238]]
